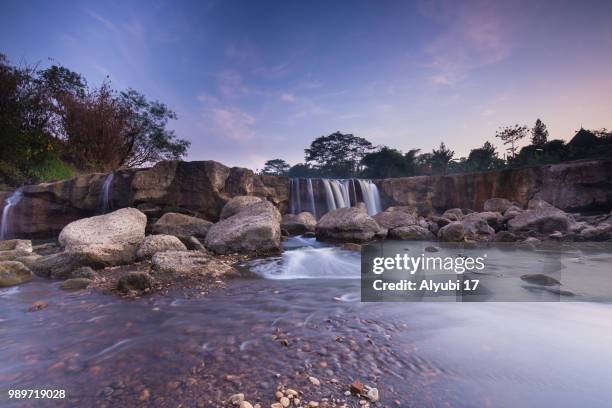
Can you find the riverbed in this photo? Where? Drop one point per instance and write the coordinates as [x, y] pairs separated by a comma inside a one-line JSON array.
[[299, 316]]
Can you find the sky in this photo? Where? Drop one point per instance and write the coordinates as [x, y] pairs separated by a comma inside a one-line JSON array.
[[256, 80]]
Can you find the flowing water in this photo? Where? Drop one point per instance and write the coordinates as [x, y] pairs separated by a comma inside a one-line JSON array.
[[300, 315], [106, 193], [9, 204]]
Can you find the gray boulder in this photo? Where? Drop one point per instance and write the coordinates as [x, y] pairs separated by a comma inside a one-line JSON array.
[[541, 217], [84, 272], [296, 224], [11, 249], [453, 214], [476, 228], [412, 233], [494, 219], [61, 264], [13, 273], [158, 243], [187, 263], [109, 239], [181, 226], [395, 219], [255, 229], [601, 232], [348, 224], [237, 204], [496, 204], [452, 232], [28, 260]]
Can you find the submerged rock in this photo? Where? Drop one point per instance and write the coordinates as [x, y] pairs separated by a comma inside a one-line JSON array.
[[176, 263], [348, 224], [135, 281], [76, 284], [540, 279], [159, 243], [14, 273], [109, 239], [296, 224], [237, 204], [254, 229], [61, 265], [181, 226]]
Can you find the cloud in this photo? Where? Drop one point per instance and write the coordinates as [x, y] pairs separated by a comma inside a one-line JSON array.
[[230, 123], [231, 84], [287, 97], [105, 22]]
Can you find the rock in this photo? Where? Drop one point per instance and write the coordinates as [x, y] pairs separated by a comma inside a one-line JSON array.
[[404, 208], [557, 235], [505, 236], [494, 219], [371, 393], [109, 239], [356, 387], [536, 204], [453, 232], [602, 232], [135, 281], [476, 228], [246, 404], [236, 399], [28, 260], [181, 226], [296, 224], [194, 244], [348, 224], [439, 221], [314, 380], [11, 249], [542, 219], [394, 219], [159, 243], [412, 233], [13, 273], [61, 265], [276, 405], [540, 279], [255, 229], [76, 284], [84, 272], [38, 305], [176, 263], [431, 249], [496, 204], [237, 204], [309, 235], [284, 401], [453, 214], [350, 246]]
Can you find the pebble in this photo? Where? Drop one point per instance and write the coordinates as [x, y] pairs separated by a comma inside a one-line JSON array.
[[246, 404], [236, 399], [279, 395], [276, 405], [313, 404], [314, 381], [38, 305], [284, 401], [145, 395], [291, 393]]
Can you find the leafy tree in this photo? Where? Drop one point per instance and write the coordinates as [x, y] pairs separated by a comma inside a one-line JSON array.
[[483, 158], [539, 134], [440, 158], [276, 167], [510, 135], [388, 163], [302, 170], [338, 154]]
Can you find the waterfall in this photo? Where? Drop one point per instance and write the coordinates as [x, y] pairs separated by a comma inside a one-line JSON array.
[[311, 197], [354, 191], [329, 195], [11, 202], [296, 205], [338, 195], [371, 196], [106, 193]]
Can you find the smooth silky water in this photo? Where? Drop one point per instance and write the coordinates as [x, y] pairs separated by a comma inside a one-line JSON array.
[[300, 314]]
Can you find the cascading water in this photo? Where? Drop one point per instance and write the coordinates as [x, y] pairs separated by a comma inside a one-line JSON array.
[[313, 207], [329, 195], [11, 202], [106, 193], [371, 196], [338, 195]]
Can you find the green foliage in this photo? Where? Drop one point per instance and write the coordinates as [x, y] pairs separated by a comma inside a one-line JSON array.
[[539, 134], [510, 135], [302, 170], [440, 158], [276, 167], [338, 154], [388, 163], [483, 158]]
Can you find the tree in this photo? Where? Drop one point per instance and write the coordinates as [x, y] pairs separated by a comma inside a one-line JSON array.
[[337, 155], [389, 163], [510, 135], [276, 167], [483, 158], [539, 134], [302, 170], [440, 158]]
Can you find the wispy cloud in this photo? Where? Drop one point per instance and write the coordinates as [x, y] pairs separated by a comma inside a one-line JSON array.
[[231, 123]]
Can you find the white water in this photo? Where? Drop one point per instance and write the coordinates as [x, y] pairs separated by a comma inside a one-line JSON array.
[[371, 196], [106, 193], [313, 207], [329, 196], [11, 202]]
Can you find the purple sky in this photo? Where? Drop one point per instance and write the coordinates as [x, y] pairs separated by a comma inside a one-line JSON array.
[[252, 81]]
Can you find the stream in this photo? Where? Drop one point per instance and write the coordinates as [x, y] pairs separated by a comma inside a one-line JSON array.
[[300, 315]]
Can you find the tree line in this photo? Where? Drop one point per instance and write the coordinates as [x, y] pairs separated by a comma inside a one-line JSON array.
[[53, 124], [341, 155]]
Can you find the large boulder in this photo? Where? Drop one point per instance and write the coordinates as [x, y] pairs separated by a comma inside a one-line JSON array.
[[153, 244], [476, 228], [494, 219], [452, 232], [62, 264], [181, 226], [110, 239], [601, 232], [541, 217], [296, 224], [395, 219], [348, 224], [13, 273], [237, 204], [171, 264], [496, 204], [412, 233], [255, 229], [453, 214]]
